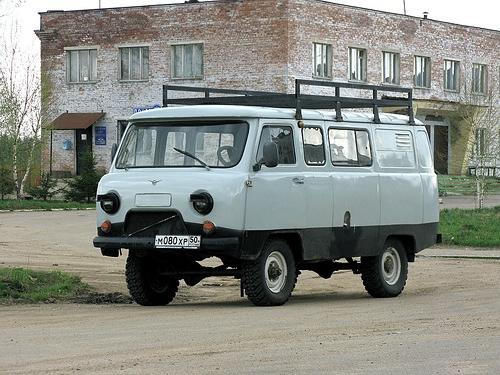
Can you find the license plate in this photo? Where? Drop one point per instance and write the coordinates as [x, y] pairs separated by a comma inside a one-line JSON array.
[[177, 242]]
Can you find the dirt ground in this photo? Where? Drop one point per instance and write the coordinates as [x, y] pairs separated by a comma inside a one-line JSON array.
[[447, 321]]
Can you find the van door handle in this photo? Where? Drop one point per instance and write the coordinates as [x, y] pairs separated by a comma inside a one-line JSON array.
[[298, 180]]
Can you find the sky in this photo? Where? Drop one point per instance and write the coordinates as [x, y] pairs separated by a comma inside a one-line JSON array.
[[482, 13]]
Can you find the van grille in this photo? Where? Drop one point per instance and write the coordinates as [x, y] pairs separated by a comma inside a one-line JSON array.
[[138, 221]]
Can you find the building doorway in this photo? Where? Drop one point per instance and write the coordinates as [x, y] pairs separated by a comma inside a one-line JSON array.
[[83, 145], [439, 135]]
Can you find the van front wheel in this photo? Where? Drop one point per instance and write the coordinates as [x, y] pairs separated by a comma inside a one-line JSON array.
[[270, 279], [146, 284], [385, 275]]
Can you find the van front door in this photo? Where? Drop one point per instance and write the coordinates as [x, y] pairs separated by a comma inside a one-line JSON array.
[[276, 197]]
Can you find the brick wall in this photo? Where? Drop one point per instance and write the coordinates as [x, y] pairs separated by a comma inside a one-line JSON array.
[[257, 44]]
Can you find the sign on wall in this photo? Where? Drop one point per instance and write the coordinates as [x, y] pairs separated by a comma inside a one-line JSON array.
[[100, 136], [146, 107]]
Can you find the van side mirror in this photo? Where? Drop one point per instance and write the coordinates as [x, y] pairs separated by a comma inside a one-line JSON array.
[[114, 148], [269, 157]]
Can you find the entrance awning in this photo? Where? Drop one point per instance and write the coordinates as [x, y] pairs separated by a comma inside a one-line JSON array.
[[71, 121]]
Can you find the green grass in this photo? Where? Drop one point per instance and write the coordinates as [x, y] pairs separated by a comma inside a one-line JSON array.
[[478, 228], [13, 204], [465, 185], [19, 285]]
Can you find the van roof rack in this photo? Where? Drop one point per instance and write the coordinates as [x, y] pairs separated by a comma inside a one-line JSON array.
[[299, 100]]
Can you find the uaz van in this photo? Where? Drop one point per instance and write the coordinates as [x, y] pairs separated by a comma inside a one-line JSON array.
[[271, 184]]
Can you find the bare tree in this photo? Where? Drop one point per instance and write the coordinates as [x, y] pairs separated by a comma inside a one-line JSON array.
[[24, 95], [479, 112]]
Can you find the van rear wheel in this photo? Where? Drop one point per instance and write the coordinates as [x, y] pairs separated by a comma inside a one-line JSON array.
[[270, 279], [385, 275], [145, 283]]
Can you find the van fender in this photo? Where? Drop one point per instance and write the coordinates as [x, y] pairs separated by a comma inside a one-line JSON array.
[[254, 241]]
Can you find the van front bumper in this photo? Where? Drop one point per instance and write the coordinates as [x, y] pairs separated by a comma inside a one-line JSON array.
[[215, 245]]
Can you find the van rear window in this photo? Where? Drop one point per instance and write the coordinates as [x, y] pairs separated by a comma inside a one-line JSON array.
[[350, 147]]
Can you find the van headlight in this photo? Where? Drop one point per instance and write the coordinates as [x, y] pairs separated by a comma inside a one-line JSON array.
[[110, 203], [203, 202]]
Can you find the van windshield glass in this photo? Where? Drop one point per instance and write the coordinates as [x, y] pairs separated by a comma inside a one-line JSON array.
[[216, 144]]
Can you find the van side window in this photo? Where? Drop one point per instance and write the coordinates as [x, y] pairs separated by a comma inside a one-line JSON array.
[[283, 137], [350, 147], [395, 148], [314, 152], [424, 151]]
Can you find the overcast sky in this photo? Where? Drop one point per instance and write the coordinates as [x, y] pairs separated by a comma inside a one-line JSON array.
[[482, 13]]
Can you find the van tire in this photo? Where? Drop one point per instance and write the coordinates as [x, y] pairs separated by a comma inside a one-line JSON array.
[[146, 286], [261, 286], [385, 275]]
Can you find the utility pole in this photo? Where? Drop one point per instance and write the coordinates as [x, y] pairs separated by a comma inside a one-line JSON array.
[[100, 4], [404, 6]]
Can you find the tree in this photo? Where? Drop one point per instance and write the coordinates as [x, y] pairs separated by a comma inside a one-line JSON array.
[[46, 189], [84, 186], [480, 114], [24, 98]]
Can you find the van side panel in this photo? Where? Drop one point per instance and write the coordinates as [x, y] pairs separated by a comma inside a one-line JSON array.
[[356, 212], [400, 183]]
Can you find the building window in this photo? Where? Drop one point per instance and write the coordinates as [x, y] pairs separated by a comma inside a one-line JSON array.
[[479, 75], [187, 61], [391, 67], [134, 63], [480, 146], [322, 60], [357, 64], [422, 71], [81, 65], [451, 75]]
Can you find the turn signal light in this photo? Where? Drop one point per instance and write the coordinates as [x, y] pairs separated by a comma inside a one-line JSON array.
[[208, 227], [106, 226]]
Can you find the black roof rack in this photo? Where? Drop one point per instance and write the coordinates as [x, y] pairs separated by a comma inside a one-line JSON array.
[[299, 100]]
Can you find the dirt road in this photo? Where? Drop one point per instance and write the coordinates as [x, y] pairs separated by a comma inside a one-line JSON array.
[[446, 322]]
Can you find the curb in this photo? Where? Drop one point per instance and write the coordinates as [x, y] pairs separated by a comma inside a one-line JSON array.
[[475, 257], [47, 209]]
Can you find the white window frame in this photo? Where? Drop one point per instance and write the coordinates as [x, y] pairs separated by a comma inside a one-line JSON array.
[[68, 51], [425, 60], [360, 64], [141, 62], [172, 62], [325, 58], [455, 64], [395, 68], [482, 88]]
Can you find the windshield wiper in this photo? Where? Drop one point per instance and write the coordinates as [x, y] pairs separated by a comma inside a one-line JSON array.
[[193, 157]]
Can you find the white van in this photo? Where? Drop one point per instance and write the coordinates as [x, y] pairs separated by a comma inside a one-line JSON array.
[[269, 191]]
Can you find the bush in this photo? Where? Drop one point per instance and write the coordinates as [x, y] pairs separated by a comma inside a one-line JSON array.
[[84, 187], [46, 189], [6, 182]]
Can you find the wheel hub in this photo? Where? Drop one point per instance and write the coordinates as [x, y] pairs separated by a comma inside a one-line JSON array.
[[391, 266], [275, 271]]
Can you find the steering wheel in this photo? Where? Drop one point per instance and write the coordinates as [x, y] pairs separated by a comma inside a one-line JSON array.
[[227, 159]]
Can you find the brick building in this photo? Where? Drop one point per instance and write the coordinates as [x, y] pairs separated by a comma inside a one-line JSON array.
[[106, 64]]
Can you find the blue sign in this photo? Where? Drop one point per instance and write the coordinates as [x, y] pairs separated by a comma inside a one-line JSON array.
[[100, 136], [145, 108]]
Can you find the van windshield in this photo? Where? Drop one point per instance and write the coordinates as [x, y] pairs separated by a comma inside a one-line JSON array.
[[217, 144]]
